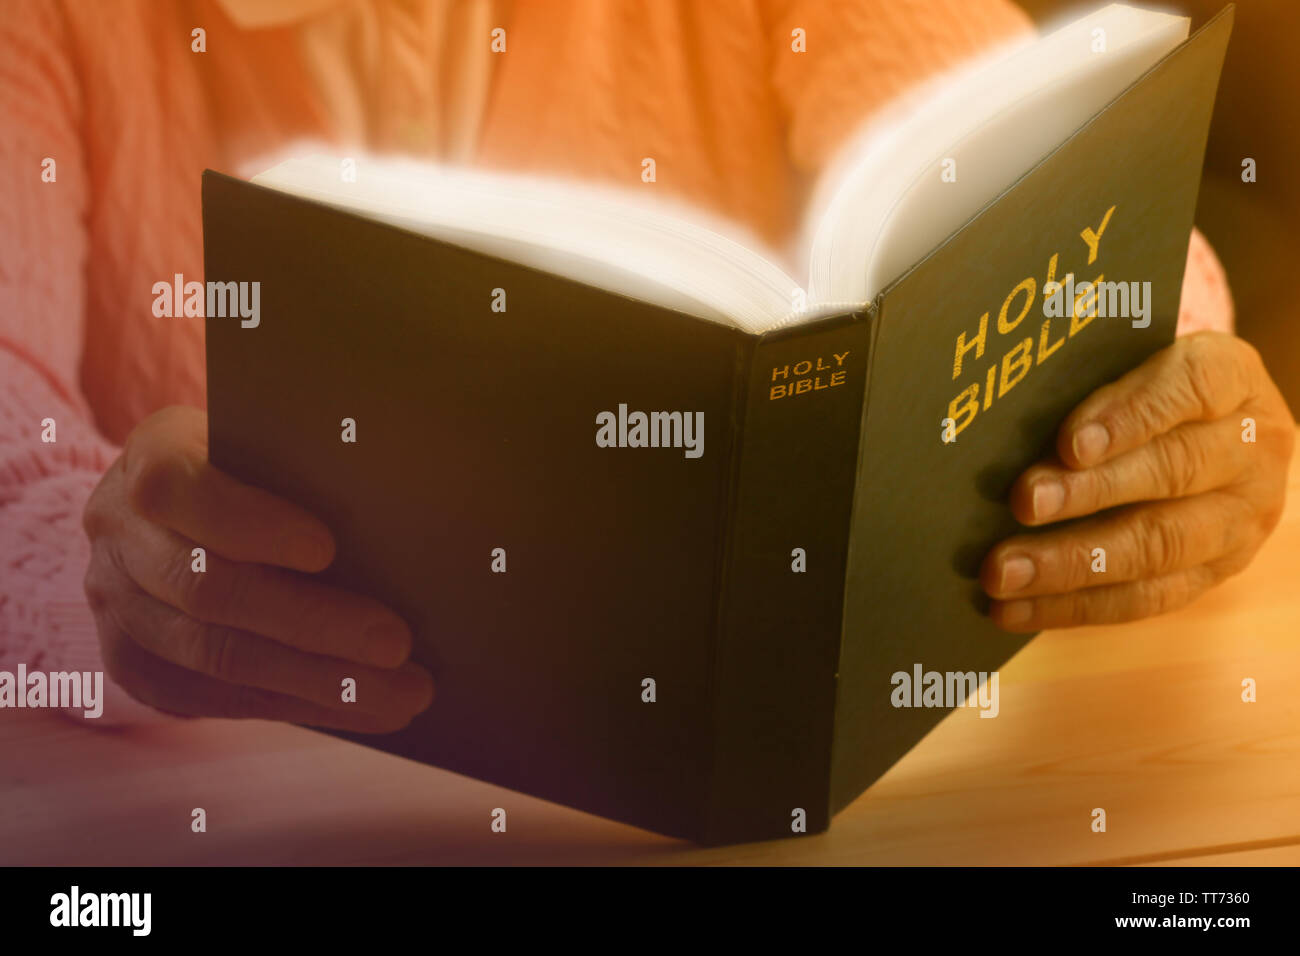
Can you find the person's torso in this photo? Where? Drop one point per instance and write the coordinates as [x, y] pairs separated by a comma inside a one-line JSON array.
[[586, 89]]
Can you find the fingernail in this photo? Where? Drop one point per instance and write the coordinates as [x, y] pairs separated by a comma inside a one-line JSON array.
[[1017, 612], [1091, 442], [314, 550], [416, 682], [1049, 497], [389, 641], [1016, 573]]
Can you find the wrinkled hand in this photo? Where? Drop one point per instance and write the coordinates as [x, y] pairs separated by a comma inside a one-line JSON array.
[[1165, 442], [251, 636]]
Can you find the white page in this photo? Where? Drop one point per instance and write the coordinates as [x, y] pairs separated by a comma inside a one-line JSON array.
[[669, 255], [889, 206], [883, 208]]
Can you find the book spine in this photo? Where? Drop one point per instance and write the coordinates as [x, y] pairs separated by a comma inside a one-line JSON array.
[[783, 573]]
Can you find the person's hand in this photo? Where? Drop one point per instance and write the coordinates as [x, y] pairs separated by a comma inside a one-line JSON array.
[[250, 636], [1166, 443]]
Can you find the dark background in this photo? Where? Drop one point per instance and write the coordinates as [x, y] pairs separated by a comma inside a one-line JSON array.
[[1252, 226]]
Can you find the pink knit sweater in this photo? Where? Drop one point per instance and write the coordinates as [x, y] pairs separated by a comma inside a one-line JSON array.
[[130, 114]]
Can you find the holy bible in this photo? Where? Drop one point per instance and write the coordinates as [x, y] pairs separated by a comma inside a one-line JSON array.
[[682, 539]]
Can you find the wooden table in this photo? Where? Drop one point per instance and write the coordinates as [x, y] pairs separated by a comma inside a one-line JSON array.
[[1145, 720]]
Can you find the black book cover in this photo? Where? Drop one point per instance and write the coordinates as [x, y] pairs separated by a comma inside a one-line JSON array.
[[825, 537]]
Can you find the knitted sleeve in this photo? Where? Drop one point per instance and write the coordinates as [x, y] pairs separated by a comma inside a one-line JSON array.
[[51, 456]]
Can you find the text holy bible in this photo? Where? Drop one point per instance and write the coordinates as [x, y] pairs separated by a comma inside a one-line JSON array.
[[666, 569]]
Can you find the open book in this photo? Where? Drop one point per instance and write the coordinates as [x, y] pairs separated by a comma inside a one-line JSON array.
[[687, 542], [908, 183]]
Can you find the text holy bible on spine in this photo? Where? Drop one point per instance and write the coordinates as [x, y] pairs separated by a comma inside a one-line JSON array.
[[817, 536]]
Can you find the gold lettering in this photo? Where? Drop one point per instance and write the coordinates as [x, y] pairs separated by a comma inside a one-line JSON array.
[[1024, 363], [1051, 276], [1090, 292], [963, 408], [963, 346], [1031, 287], [1093, 239], [1043, 351]]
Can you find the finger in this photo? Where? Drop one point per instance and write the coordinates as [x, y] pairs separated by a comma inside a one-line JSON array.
[[1140, 542], [1187, 460], [170, 482], [1113, 604], [186, 693], [284, 606], [238, 657], [1200, 377]]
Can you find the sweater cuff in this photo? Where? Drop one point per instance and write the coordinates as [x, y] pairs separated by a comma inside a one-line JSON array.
[[45, 622], [1206, 300]]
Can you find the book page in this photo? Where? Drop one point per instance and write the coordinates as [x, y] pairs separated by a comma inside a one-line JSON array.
[[664, 253], [914, 177]]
